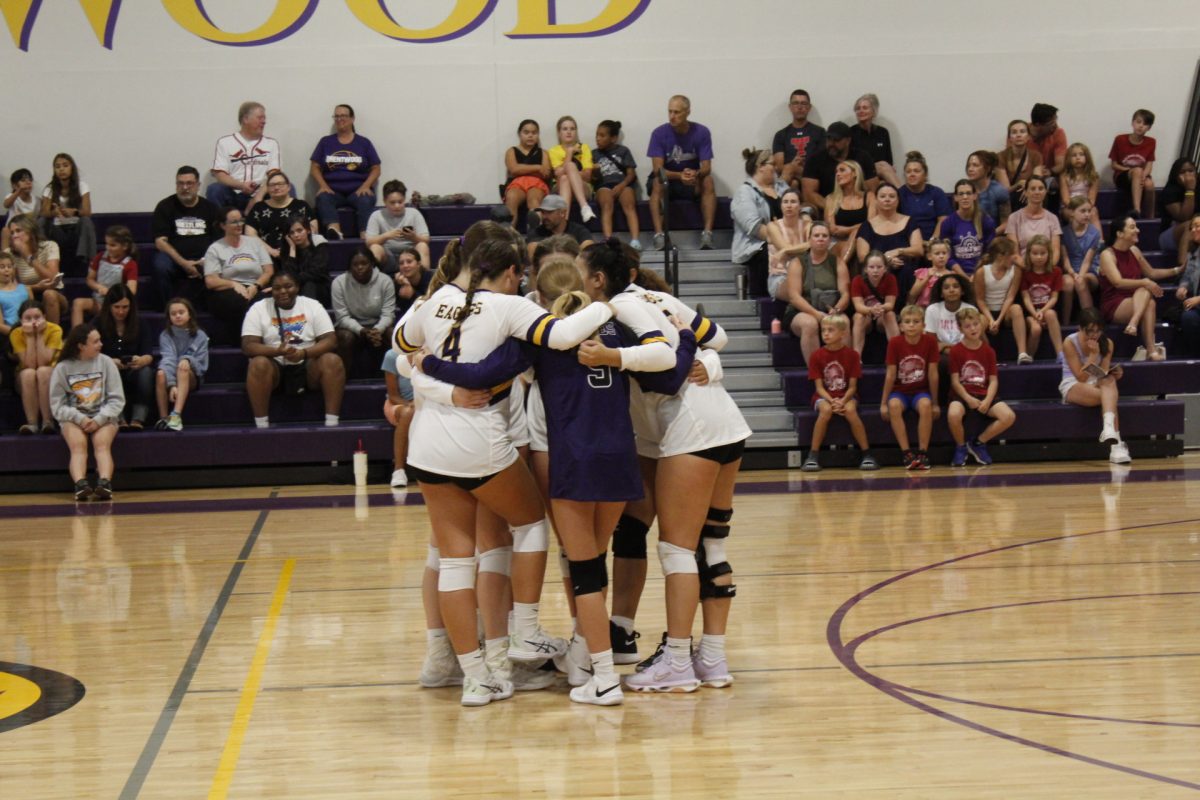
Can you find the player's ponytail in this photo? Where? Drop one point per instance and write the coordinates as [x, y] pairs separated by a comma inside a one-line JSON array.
[[609, 259]]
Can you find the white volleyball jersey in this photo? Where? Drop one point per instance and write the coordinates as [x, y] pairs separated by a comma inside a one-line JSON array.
[[518, 421], [473, 443], [535, 414]]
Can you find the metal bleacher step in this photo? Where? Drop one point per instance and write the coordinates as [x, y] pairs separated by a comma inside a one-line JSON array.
[[751, 379], [744, 342], [758, 399], [770, 419]]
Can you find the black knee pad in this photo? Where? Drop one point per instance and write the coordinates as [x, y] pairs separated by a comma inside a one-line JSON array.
[[589, 577], [720, 514], [629, 539], [709, 572], [710, 531]]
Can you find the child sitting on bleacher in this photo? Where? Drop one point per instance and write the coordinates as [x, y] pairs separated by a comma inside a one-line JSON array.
[[1132, 158], [1081, 254], [1041, 286], [874, 296], [951, 294], [184, 360], [19, 201], [997, 283], [115, 265], [911, 382], [938, 253], [1089, 378], [36, 344], [835, 371], [974, 382]]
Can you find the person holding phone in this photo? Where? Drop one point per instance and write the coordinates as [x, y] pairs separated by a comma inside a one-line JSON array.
[[396, 228]]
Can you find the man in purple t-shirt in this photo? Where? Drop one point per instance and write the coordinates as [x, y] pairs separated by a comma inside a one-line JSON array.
[[345, 167], [684, 150]]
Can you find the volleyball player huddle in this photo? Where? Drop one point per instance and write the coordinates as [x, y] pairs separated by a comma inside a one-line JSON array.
[[625, 407]]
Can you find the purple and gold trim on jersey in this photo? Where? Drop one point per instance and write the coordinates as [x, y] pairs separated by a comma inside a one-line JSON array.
[[704, 328], [500, 393], [650, 337], [539, 331], [402, 343]]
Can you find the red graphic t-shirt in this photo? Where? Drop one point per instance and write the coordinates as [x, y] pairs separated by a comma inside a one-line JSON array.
[[887, 288], [912, 362], [973, 367], [1041, 285], [834, 368]]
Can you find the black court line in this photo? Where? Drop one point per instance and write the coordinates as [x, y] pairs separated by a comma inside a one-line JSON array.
[[133, 786], [759, 671]]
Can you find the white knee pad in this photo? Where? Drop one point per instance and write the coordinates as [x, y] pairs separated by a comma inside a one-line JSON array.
[[433, 559], [714, 550], [531, 538], [497, 560], [456, 574], [676, 559]]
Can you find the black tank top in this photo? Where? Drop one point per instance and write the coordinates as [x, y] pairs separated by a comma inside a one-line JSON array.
[[532, 159], [849, 217]]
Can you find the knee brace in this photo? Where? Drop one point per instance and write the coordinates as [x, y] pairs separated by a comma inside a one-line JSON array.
[[676, 559], [456, 574], [497, 560], [629, 538], [531, 538], [433, 559], [710, 557], [589, 577]]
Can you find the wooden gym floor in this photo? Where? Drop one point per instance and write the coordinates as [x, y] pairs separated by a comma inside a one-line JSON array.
[[1012, 632]]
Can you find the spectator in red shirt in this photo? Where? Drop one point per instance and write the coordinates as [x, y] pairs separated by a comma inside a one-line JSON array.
[[874, 296], [1049, 140], [1041, 286], [912, 383], [835, 370], [1132, 157], [974, 381]]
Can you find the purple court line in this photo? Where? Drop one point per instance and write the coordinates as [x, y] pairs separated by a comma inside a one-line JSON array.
[[860, 640], [846, 656], [978, 480]]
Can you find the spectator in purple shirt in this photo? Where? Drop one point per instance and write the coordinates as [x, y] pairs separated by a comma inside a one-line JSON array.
[[684, 150], [346, 168]]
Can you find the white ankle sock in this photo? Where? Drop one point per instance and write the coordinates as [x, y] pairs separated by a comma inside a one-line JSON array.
[[679, 650], [262, 422], [1109, 418], [602, 666], [435, 636], [712, 648], [473, 665], [494, 648], [525, 619], [624, 622], [331, 420]]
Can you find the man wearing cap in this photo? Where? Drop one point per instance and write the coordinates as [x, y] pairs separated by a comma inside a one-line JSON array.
[[554, 222], [819, 170], [684, 150]]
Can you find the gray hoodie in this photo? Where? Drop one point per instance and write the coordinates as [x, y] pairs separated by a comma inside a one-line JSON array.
[[82, 390]]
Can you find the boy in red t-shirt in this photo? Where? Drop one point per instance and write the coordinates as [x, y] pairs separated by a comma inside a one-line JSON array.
[[834, 370], [1132, 157], [912, 382], [974, 382]]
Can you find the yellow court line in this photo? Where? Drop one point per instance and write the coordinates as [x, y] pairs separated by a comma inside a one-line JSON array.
[[250, 689]]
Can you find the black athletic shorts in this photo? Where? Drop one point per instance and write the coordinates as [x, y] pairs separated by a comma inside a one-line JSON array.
[[725, 454], [433, 478]]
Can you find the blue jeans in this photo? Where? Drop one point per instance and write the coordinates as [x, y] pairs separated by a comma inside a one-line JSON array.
[[166, 273], [328, 204], [221, 195], [1189, 330]]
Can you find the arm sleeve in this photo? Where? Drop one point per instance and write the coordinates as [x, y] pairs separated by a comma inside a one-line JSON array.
[[530, 322], [709, 334], [669, 382], [62, 410], [114, 395], [503, 364], [430, 388]]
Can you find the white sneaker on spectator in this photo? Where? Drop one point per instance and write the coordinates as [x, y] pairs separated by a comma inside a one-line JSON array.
[[399, 479], [1139, 354], [1119, 454], [586, 213], [636, 244], [706, 240], [1109, 435], [660, 241]]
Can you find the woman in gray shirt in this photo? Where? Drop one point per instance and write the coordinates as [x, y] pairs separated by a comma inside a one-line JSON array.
[[237, 269], [86, 398]]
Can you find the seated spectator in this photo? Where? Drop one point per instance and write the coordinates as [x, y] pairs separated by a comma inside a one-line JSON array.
[[894, 234], [787, 238], [1089, 347], [820, 169], [184, 350], [847, 207], [951, 294], [307, 255], [993, 195], [1189, 294], [19, 201], [572, 163], [237, 269], [684, 151], [242, 160], [1035, 220], [185, 224], [925, 278], [865, 135], [345, 167], [1080, 179], [1050, 142], [271, 219], [968, 230], [290, 342], [412, 280], [554, 222], [616, 180], [397, 227], [36, 261], [67, 213], [112, 267], [911, 384], [818, 284], [364, 307], [86, 398], [974, 381], [1081, 250], [1129, 286], [794, 144], [1132, 158], [874, 295], [1042, 283], [13, 294], [1179, 206], [527, 167], [754, 205], [1018, 163], [35, 344], [927, 205], [130, 344], [997, 284], [398, 410], [835, 371]]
